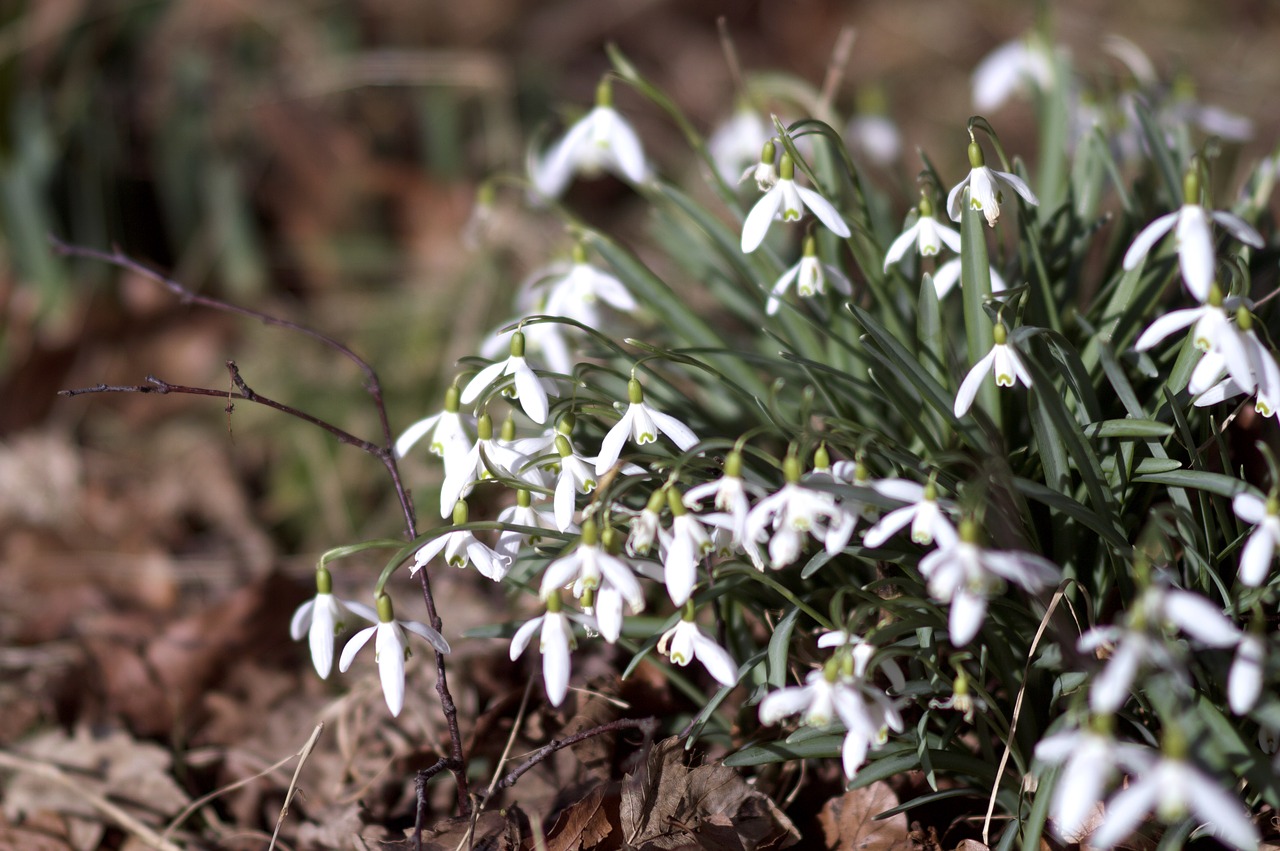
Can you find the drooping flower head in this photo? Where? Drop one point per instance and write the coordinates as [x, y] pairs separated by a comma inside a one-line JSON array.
[[391, 649], [786, 201], [601, 141], [322, 619], [984, 185], [810, 276]]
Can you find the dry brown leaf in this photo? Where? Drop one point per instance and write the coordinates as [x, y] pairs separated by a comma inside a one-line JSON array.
[[667, 805], [849, 822], [495, 830], [971, 845], [587, 823]]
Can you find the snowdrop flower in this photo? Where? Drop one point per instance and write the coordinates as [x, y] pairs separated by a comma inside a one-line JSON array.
[[577, 294], [1265, 372], [527, 387], [322, 618], [1091, 760], [686, 545], [1244, 681], [786, 201], [965, 576], [1192, 237], [793, 512], [1008, 67], [961, 699], [643, 425], [645, 525], [876, 136], [1141, 640], [448, 430], [576, 477], [684, 642], [764, 173], [473, 468], [590, 568], [730, 493], [554, 643], [1174, 788], [837, 691], [810, 276], [924, 512], [510, 541], [1214, 335], [1260, 550], [926, 235], [948, 275], [601, 140], [391, 649], [1002, 360], [461, 548], [984, 189], [735, 143]]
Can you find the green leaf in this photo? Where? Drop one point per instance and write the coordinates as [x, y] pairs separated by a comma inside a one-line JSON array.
[[780, 648], [1127, 428], [1216, 483]]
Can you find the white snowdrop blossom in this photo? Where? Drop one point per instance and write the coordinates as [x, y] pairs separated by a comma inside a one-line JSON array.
[[686, 545], [1266, 373], [736, 143], [578, 293], [487, 452], [526, 387], [1260, 550], [927, 235], [948, 275], [840, 690], [390, 649], [764, 172], [1214, 334], [1192, 236], [964, 576], [1002, 361], [601, 140], [786, 202], [1141, 640], [791, 513], [1008, 67], [643, 425], [554, 643], [810, 276], [926, 515], [523, 513], [461, 548], [448, 430], [685, 642], [1091, 759], [576, 476], [730, 493], [645, 525], [1244, 681], [589, 568], [984, 189], [1173, 789], [322, 619]]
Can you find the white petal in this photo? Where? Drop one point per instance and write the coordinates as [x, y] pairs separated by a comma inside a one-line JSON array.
[[972, 382], [1224, 816], [565, 500], [1249, 508], [783, 702], [561, 572], [521, 639], [824, 210], [555, 658], [1199, 618], [1017, 184], [321, 637], [353, 647], [389, 646], [532, 395], [609, 614], [946, 277], [613, 442], [1148, 237], [888, 525], [998, 75], [968, 611], [955, 196], [1255, 559], [900, 245], [301, 620], [1239, 228], [553, 172], [716, 660], [433, 638], [758, 220], [1078, 790], [1125, 811], [414, 433], [1195, 250], [481, 382], [1111, 687], [1244, 683], [625, 146], [681, 435], [623, 580], [903, 490], [1170, 323]]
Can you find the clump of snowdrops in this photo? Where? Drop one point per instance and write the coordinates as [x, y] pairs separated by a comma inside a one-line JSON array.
[[961, 479]]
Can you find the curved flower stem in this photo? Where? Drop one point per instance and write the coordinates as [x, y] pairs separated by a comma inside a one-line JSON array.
[[384, 452]]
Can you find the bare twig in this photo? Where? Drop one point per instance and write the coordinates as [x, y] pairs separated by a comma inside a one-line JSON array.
[[648, 726], [385, 453]]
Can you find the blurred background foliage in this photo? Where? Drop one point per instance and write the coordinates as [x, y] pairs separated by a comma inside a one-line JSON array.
[[318, 160]]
